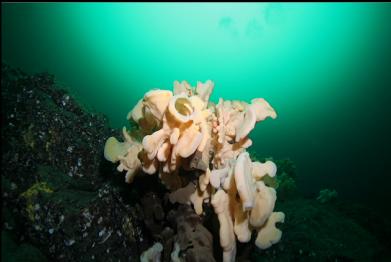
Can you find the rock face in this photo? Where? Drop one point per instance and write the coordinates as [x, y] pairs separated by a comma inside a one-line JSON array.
[[56, 194], [42, 124], [195, 241]]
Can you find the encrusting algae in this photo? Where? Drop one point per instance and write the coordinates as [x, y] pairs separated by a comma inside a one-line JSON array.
[[31, 193]]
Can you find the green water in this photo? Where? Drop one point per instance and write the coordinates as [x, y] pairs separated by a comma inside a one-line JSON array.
[[325, 68]]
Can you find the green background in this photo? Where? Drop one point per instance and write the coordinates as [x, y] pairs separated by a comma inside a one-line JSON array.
[[324, 67]]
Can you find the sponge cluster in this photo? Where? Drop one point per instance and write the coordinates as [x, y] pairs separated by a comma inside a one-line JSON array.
[[184, 135]]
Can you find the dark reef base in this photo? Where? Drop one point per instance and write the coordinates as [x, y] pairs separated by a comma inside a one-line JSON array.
[[62, 201]]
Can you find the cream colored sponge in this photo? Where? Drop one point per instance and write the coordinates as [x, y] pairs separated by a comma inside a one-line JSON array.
[[183, 131]]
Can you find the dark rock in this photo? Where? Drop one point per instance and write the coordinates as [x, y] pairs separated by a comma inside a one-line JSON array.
[[153, 213], [195, 241], [56, 201]]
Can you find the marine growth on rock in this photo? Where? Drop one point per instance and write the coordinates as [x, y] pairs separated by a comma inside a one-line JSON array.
[[198, 150]]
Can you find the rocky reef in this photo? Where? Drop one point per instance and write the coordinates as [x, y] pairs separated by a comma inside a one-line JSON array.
[[63, 201], [55, 195]]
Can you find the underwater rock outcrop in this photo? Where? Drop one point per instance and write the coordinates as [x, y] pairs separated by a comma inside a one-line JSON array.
[[55, 195], [198, 150], [52, 211], [192, 238]]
